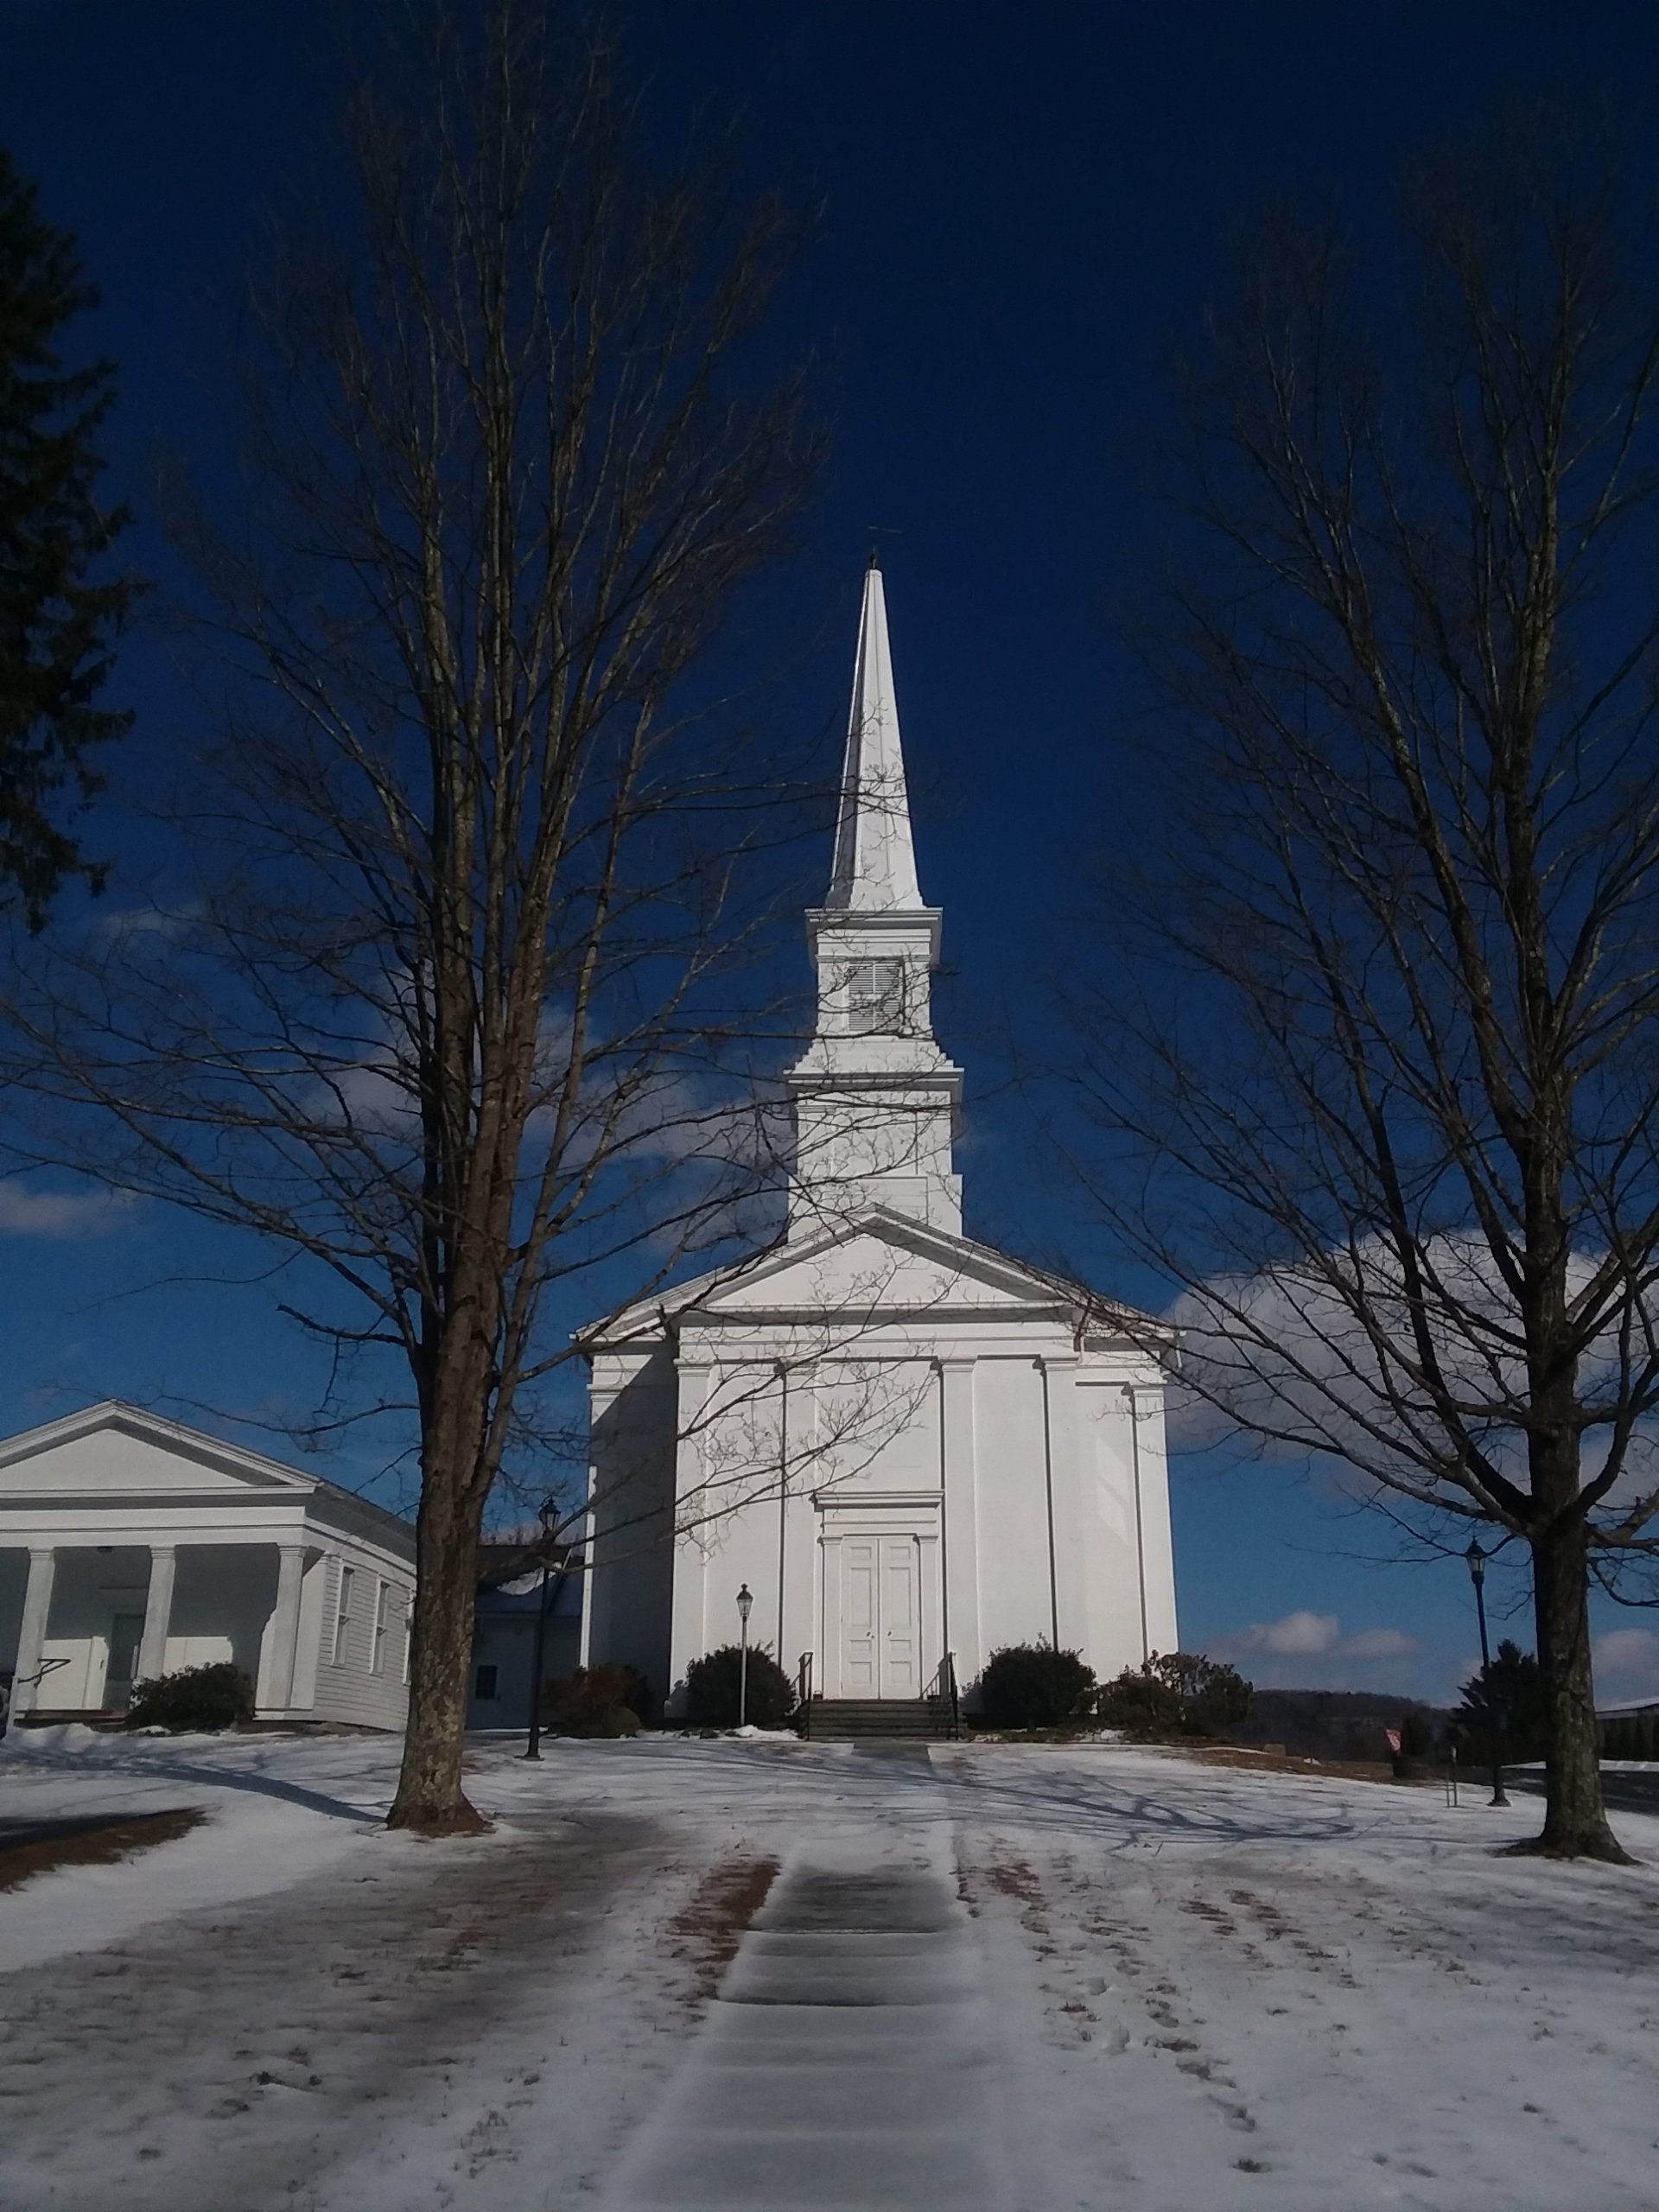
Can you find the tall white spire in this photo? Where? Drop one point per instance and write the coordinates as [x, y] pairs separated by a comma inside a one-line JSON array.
[[875, 869], [874, 1097]]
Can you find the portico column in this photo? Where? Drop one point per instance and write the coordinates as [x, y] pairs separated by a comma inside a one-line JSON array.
[[958, 1479], [285, 1627], [31, 1638], [158, 1614]]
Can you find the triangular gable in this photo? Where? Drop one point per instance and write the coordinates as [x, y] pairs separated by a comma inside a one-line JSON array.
[[874, 1259], [875, 1268], [113, 1448]]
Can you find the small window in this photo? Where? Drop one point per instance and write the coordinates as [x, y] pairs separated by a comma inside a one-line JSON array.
[[343, 1616], [483, 1688], [382, 1617]]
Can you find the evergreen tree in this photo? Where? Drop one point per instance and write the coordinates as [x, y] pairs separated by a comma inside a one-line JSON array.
[[1506, 1698], [59, 614]]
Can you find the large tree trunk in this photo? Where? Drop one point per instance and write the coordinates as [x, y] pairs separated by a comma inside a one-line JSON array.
[[430, 1798], [1575, 1820]]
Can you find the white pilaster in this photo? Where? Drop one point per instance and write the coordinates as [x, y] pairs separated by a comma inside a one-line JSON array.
[[31, 1640], [1157, 1561], [932, 1595], [693, 1530], [960, 1481], [829, 1682], [277, 1690], [158, 1612], [596, 1593], [1071, 1581]]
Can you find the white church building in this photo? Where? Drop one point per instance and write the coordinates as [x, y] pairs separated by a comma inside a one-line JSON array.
[[908, 1448]]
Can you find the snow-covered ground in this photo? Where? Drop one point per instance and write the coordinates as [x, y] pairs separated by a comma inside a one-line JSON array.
[[1028, 1978]]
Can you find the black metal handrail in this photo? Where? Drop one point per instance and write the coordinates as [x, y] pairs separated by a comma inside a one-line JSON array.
[[942, 1690], [803, 1681]]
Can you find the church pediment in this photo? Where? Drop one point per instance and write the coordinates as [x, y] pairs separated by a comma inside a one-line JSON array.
[[885, 1265], [112, 1450], [874, 1262]]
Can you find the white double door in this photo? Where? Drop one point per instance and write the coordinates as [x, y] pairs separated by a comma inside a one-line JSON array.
[[881, 1617]]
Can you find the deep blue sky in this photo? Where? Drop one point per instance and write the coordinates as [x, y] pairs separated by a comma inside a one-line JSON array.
[[1022, 204]]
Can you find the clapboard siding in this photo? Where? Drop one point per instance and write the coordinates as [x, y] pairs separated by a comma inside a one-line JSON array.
[[349, 1687]]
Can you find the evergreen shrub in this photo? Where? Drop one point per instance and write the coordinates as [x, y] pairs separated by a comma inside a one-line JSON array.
[[711, 1689], [194, 1700], [1033, 1686], [1502, 1715], [1416, 1736], [1175, 1694]]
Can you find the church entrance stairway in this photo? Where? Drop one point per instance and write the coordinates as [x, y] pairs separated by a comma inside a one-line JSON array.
[[919, 1719]]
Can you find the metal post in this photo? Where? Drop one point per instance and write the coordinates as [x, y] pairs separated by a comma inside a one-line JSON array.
[[744, 1601], [1476, 1560], [548, 1515]]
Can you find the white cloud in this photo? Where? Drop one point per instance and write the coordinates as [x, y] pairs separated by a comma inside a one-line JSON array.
[[1378, 1644], [1306, 1636], [1296, 1632], [1627, 1662], [120, 925], [26, 1210], [1284, 1353]]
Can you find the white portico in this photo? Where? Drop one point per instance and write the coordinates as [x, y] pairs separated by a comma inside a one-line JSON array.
[[904, 1443], [131, 1546]]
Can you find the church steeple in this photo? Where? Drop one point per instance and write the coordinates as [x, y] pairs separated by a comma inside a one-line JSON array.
[[875, 1097], [874, 867]]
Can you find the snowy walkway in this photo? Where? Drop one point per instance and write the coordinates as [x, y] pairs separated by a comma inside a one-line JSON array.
[[849, 2059], [1032, 1978]]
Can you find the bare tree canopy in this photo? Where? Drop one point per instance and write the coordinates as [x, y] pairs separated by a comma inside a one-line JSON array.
[[61, 610], [1386, 1088], [445, 1010]]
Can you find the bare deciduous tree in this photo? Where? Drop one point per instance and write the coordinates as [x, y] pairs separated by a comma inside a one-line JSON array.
[[1386, 1092], [441, 1014]]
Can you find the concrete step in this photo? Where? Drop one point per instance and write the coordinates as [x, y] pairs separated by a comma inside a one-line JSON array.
[[840, 1718]]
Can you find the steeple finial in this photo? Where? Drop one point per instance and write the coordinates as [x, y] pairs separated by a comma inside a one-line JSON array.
[[875, 869]]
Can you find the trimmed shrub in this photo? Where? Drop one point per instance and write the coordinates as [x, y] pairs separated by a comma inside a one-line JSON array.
[[1176, 1694], [711, 1689], [597, 1701], [1141, 1705], [1033, 1686], [195, 1701]]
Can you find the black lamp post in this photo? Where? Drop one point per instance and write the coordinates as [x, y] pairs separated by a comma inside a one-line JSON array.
[[548, 1518], [1477, 1563], [744, 1601]]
